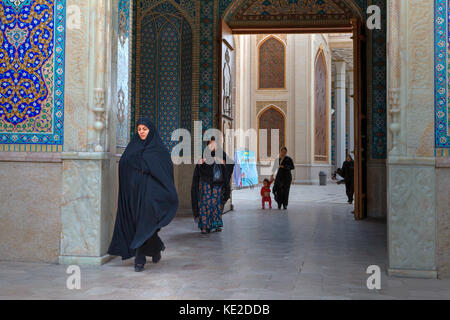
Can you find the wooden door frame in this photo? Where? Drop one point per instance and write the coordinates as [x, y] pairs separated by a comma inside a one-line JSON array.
[[354, 27], [360, 197], [220, 116], [220, 40]]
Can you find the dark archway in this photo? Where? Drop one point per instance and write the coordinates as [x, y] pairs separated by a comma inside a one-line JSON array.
[[163, 68]]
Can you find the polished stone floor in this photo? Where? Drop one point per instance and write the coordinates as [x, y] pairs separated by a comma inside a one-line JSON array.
[[314, 250]]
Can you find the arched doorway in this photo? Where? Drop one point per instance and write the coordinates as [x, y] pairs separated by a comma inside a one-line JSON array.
[[270, 119], [163, 67], [330, 16]]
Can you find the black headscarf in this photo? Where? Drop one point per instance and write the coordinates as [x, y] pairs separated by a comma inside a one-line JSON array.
[[148, 199]]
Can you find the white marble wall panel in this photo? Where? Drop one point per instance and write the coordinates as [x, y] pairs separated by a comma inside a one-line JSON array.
[[81, 208]]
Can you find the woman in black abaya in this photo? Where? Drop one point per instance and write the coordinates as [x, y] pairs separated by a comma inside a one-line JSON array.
[[283, 181], [148, 199], [348, 175]]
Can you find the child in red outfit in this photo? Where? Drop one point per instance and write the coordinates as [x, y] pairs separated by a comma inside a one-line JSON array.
[[265, 193]]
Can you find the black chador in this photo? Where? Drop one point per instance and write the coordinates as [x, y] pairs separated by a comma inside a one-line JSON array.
[[349, 177], [148, 200], [283, 181]]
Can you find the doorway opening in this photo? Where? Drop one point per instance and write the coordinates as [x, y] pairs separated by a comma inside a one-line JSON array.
[[296, 87]]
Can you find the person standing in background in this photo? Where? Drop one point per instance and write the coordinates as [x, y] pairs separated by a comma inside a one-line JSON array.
[[283, 166], [347, 173]]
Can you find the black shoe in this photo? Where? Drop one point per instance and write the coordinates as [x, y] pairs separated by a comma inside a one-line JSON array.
[[156, 258], [285, 207], [139, 267], [279, 207]]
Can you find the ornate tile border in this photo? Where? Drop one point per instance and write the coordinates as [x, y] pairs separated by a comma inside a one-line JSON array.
[[207, 59], [376, 65], [123, 74], [441, 47], [46, 142]]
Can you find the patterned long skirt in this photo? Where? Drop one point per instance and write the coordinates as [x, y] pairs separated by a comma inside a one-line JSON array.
[[209, 206]]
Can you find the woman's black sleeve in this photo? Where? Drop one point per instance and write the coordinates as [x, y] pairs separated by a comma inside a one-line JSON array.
[[228, 169], [289, 165], [345, 170], [226, 192], [194, 192]]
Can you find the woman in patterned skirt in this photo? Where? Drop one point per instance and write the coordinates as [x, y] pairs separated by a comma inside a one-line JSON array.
[[211, 189]]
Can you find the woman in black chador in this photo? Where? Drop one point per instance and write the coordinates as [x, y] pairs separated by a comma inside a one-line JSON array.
[[283, 181], [347, 173], [148, 199]]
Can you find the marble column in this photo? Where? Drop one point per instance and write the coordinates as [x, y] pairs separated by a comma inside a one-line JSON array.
[[411, 162], [340, 113], [89, 168]]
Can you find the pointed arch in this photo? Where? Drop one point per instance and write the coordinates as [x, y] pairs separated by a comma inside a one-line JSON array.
[[321, 107], [164, 68], [271, 118], [271, 63]]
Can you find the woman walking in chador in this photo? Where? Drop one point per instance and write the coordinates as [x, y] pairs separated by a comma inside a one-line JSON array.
[[347, 172], [283, 180], [148, 200], [211, 188]]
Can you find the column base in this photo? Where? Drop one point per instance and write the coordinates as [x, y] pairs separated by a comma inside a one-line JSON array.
[[409, 273], [84, 261]]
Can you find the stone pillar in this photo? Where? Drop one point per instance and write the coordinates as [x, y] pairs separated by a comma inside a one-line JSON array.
[[411, 163], [88, 179], [340, 113]]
